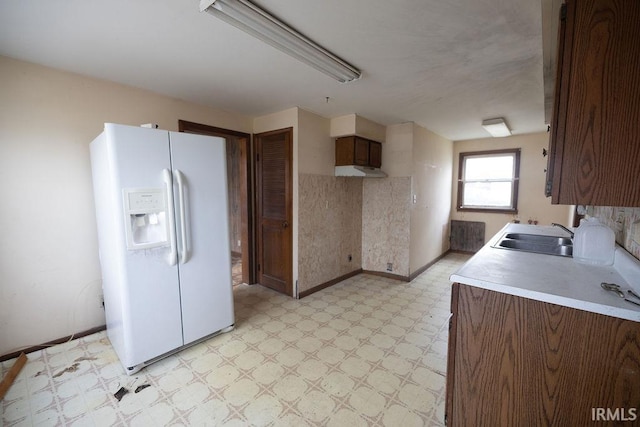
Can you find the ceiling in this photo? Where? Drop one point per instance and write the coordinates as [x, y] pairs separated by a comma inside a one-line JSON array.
[[445, 65]]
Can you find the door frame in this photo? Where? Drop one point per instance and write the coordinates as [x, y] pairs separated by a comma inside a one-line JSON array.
[[290, 290], [247, 186]]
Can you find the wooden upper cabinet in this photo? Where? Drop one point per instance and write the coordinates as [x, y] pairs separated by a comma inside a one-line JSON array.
[[595, 135], [354, 150], [375, 154], [361, 152]]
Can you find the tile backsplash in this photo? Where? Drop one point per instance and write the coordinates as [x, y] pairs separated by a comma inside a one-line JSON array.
[[624, 222]]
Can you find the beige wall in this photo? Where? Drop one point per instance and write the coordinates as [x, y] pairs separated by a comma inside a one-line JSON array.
[[431, 185], [352, 124], [330, 219], [532, 204], [330, 208], [49, 269], [316, 147], [397, 151], [386, 224], [396, 230]]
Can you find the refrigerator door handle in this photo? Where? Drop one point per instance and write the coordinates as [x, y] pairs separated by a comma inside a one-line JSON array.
[[173, 252], [184, 255]]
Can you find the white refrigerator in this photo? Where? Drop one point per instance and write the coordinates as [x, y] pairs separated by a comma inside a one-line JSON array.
[[163, 237]]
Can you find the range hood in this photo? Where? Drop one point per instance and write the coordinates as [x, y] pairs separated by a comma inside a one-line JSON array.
[[361, 171]]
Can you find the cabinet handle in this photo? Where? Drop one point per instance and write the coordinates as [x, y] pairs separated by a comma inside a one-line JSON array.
[[285, 224]]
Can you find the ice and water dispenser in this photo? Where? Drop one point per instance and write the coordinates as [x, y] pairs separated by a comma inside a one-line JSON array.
[[145, 218]]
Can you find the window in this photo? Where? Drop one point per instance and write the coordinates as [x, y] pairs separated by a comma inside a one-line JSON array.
[[488, 181]]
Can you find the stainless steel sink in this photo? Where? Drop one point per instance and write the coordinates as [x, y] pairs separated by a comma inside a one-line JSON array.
[[546, 240], [549, 245]]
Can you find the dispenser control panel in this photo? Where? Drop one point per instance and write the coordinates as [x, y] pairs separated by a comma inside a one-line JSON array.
[[145, 218], [146, 201]]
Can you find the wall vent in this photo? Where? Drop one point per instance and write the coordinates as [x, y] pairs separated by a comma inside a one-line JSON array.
[[467, 236]]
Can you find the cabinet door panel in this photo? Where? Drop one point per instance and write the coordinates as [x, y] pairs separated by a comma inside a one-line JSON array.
[[361, 152], [375, 154], [523, 362], [344, 151], [555, 148], [598, 108]]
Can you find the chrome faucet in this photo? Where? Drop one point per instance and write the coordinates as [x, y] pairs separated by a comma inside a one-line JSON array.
[[564, 228]]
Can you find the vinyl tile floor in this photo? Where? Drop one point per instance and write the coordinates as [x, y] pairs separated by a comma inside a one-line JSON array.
[[236, 270], [368, 351]]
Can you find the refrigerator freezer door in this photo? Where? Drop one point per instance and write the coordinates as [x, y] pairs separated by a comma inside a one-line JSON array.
[[148, 321], [203, 232]]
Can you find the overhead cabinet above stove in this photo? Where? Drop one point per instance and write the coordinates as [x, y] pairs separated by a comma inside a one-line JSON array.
[[357, 156]]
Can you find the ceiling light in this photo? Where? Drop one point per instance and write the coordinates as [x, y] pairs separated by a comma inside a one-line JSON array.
[[496, 127], [255, 21]]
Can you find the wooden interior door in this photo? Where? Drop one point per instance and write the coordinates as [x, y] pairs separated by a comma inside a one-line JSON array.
[[274, 218]]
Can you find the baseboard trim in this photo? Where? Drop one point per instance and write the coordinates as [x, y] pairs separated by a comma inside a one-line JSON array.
[[31, 349], [426, 266], [413, 275], [387, 275], [329, 283], [455, 251]]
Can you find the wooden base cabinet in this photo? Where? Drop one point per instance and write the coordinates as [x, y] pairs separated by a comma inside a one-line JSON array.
[[518, 362]]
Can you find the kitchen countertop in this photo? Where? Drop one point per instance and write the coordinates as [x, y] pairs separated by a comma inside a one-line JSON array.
[[553, 279]]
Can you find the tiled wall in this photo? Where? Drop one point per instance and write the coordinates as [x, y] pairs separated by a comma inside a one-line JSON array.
[[621, 221], [386, 219], [330, 228]]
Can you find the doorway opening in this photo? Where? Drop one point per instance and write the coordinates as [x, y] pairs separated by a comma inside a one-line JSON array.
[[239, 182]]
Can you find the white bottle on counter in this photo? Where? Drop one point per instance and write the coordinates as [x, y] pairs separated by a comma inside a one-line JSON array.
[[594, 243]]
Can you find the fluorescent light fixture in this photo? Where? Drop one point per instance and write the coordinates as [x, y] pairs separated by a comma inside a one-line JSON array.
[[496, 127], [255, 21]]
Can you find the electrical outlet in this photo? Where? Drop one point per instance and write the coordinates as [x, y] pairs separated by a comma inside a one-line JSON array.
[[389, 266], [619, 225]]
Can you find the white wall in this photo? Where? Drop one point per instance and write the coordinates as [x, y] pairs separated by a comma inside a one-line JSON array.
[[49, 268], [532, 204]]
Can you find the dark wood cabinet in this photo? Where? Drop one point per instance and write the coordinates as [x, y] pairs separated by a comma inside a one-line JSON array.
[[375, 154], [354, 150], [514, 361], [595, 131]]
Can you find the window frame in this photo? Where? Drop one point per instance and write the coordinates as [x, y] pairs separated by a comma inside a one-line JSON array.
[[513, 209]]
